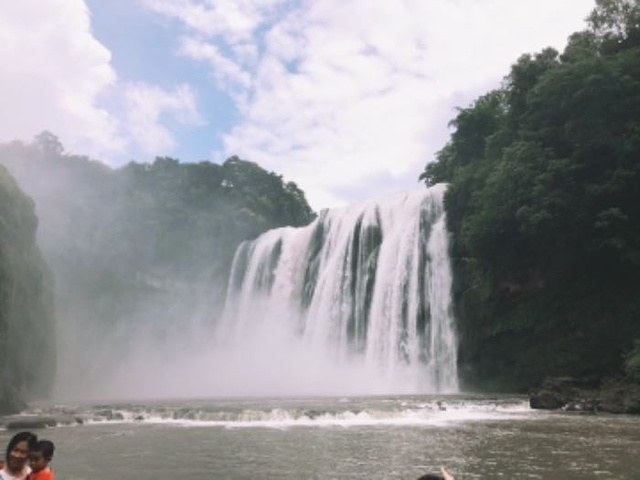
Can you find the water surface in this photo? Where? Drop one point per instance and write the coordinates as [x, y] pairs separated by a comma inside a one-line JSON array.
[[398, 437]]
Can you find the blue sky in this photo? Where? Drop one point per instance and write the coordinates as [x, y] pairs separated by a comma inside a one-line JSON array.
[[143, 47], [348, 98]]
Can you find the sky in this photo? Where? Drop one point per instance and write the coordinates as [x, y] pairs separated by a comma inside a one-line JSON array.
[[347, 98]]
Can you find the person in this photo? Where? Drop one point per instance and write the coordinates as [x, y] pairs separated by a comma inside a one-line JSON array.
[[444, 475], [15, 467], [39, 459]]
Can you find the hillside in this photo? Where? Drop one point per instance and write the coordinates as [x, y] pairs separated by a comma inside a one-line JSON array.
[[141, 253], [544, 211], [27, 339]]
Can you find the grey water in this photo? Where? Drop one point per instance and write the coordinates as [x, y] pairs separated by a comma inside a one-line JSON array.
[[385, 437]]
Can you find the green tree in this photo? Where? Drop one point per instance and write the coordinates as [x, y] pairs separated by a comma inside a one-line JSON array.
[[543, 208], [616, 23]]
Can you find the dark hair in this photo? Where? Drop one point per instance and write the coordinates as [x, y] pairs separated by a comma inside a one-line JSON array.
[[46, 447], [28, 437], [431, 476]]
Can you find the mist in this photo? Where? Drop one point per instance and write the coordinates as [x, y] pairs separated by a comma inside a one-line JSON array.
[[154, 299], [140, 258], [357, 302]]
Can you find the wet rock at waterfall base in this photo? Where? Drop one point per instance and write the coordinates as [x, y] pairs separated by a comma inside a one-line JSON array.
[[554, 393], [620, 397], [35, 422], [570, 394]]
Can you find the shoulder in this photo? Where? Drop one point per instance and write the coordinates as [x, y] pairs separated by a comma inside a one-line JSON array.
[[46, 474]]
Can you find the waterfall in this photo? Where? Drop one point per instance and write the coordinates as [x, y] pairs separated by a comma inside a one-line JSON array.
[[363, 292]]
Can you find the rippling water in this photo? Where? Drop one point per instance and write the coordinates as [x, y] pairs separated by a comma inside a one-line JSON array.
[[337, 438]]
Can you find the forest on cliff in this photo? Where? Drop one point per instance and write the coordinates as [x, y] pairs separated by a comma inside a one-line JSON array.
[[140, 251], [27, 339], [543, 208], [148, 219]]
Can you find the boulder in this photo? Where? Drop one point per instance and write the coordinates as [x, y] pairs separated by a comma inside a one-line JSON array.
[[554, 393], [546, 400], [37, 422], [615, 395], [618, 396], [30, 423]]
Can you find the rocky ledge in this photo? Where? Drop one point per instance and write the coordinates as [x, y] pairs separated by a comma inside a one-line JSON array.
[[567, 393], [36, 422]]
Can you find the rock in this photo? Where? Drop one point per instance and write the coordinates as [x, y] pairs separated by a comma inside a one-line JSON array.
[[30, 423], [618, 396], [546, 400], [585, 405], [612, 396], [312, 414], [109, 414], [554, 393], [37, 422]]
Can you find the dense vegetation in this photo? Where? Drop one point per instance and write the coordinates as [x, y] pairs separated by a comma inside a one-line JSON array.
[[27, 341], [167, 216], [142, 244], [544, 209]]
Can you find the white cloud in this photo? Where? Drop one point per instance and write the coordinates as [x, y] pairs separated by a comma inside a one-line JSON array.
[[373, 82], [223, 34], [56, 76], [227, 73], [53, 71], [234, 20], [145, 106], [331, 94], [335, 93]]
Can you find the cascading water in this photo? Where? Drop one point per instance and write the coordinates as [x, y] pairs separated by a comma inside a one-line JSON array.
[[362, 294]]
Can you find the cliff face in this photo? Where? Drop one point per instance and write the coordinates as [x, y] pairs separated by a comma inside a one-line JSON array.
[[27, 341], [543, 210], [580, 322], [140, 250]]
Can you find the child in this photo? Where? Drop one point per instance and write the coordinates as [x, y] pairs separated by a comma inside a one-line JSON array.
[[40, 457]]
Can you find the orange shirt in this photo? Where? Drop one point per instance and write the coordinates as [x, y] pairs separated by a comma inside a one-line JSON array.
[[44, 474]]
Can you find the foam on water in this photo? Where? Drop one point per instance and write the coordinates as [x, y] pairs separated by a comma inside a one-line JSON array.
[[293, 413]]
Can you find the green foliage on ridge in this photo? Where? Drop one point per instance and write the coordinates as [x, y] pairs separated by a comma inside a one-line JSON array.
[[544, 210], [163, 215], [144, 249], [27, 340]]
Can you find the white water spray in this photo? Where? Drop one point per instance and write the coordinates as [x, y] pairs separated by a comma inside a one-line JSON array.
[[360, 298]]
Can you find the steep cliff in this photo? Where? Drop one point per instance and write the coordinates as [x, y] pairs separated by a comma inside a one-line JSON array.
[[27, 343], [543, 208]]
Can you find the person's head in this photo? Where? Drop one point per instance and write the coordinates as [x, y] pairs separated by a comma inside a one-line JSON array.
[[41, 454], [18, 451], [444, 475]]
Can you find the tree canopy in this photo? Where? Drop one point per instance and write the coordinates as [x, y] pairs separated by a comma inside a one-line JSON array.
[[120, 241], [542, 177]]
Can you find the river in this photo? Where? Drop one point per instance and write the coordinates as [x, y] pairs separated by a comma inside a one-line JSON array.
[[387, 437]]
